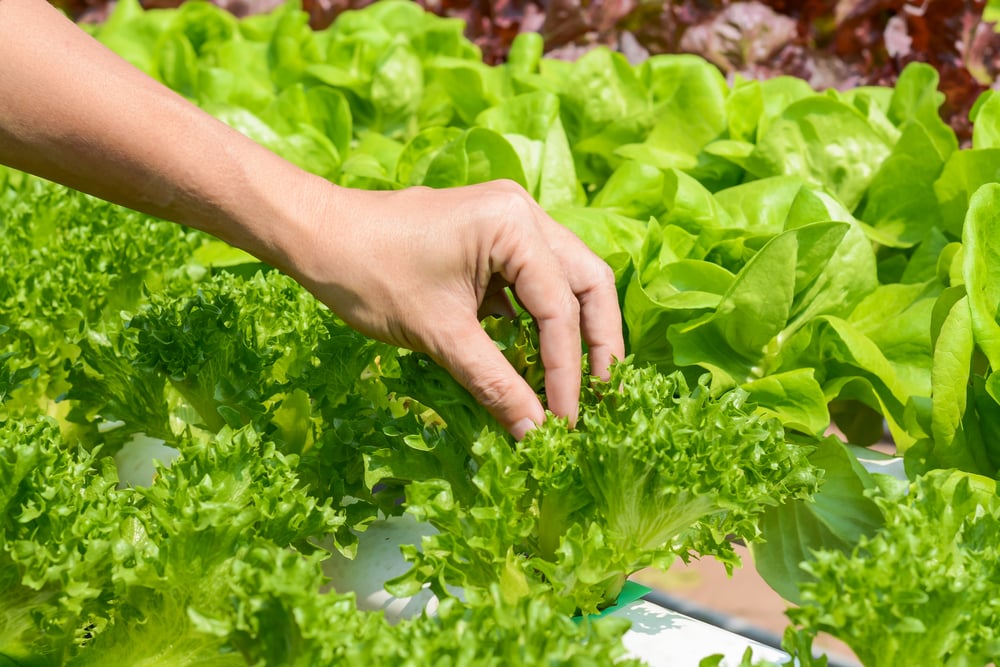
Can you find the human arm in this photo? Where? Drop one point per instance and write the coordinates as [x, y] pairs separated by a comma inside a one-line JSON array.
[[413, 267]]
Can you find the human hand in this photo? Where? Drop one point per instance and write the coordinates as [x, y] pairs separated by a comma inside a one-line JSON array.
[[419, 267], [415, 267]]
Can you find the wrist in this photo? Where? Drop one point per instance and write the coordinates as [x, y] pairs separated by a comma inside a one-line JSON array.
[[294, 225], [258, 202]]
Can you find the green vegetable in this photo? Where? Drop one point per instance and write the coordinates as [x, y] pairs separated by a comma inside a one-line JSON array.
[[921, 590], [822, 258], [655, 470], [58, 532]]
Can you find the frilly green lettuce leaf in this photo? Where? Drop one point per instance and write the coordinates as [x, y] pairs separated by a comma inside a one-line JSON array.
[[653, 471], [923, 587], [60, 518]]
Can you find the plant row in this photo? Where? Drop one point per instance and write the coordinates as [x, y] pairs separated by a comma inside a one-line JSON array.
[[787, 260]]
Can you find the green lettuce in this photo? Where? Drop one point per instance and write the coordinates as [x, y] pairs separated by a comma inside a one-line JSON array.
[[922, 589], [827, 258], [58, 532], [656, 469]]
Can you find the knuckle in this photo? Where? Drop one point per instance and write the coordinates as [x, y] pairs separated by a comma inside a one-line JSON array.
[[491, 391], [515, 207], [571, 306], [508, 199], [604, 275], [562, 312], [509, 186], [510, 219], [595, 278]]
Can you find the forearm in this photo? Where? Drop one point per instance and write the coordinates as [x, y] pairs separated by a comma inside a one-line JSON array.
[[73, 112], [412, 268]]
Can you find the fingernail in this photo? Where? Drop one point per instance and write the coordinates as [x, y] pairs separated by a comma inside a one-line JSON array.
[[521, 428]]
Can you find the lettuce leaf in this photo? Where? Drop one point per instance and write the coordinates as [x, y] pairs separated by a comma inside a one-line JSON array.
[[923, 587], [655, 469]]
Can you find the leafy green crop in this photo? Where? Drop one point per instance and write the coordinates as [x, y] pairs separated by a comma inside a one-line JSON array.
[[923, 589], [208, 566], [788, 260], [60, 521]]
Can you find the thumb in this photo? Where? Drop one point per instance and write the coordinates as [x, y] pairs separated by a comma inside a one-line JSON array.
[[472, 358]]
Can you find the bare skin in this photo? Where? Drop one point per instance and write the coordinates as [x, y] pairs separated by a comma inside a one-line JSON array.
[[416, 268]]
